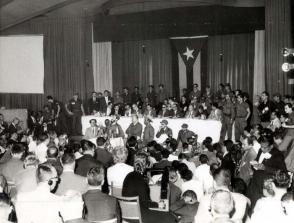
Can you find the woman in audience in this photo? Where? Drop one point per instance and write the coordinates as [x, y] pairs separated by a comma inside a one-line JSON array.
[[269, 209], [117, 173], [135, 184]]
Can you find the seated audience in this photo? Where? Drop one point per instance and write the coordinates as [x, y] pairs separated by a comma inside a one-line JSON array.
[[102, 154]]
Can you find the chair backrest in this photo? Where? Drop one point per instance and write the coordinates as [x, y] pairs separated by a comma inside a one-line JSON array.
[[115, 191], [107, 221], [130, 208]]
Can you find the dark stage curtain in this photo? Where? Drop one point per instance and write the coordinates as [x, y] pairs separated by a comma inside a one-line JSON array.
[[67, 60], [140, 63], [278, 36], [231, 60]]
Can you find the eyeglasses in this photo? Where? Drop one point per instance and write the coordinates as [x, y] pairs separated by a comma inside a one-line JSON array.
[[163, 107]]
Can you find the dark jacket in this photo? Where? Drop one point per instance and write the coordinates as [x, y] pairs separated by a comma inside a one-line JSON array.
[[100, 206], [84, 164]]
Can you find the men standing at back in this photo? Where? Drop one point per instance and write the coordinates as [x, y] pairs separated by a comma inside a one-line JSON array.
[[75, 109], [104, 101], [228, 118], [57, 109], [242, 114]]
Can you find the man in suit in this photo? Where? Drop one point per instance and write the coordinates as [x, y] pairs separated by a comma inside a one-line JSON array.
[[148, 134], [268, 160], [164, 112], [104, 101], [185, 134], [164, 129], [14, 165], [87, 161], [101, 153], [177, 112], [25, 180], [163, 162], [149, 111], [99, 206], [93, 131], [14, 127], [151, 95], [93, 104], [75, 109], [127, 99], [68, 179]]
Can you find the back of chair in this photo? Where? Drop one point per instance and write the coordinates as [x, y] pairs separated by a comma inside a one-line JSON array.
[[115, 191], [130, 208], [107, 221]]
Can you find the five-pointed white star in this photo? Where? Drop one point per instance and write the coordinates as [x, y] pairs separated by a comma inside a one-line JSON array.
[[189, 53]]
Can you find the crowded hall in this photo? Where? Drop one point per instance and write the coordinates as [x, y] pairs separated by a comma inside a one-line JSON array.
[[168, 111]]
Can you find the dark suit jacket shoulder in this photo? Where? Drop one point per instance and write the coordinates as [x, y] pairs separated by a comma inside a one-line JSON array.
[[84, 164], [100, 206]]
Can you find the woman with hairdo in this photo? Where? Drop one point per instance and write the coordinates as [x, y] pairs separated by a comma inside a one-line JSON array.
[[269, 209], [136, 184]]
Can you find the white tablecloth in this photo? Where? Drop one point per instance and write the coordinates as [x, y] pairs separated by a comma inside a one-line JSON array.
[[202, 128]]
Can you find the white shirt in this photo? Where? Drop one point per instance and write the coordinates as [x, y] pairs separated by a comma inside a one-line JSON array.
[[38, 206], [32, 146], [193, 185], [117, 173], [269, 210], [41, 152], [204, 215], [43, 206], [202, 174]]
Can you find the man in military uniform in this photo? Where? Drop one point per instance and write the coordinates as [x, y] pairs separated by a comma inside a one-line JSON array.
[[228, 118], [75, 109], [184, 134], [242, 114], [57, 109]]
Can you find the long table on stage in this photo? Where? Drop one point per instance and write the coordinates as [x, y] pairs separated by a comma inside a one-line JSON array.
[[202, 128]]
